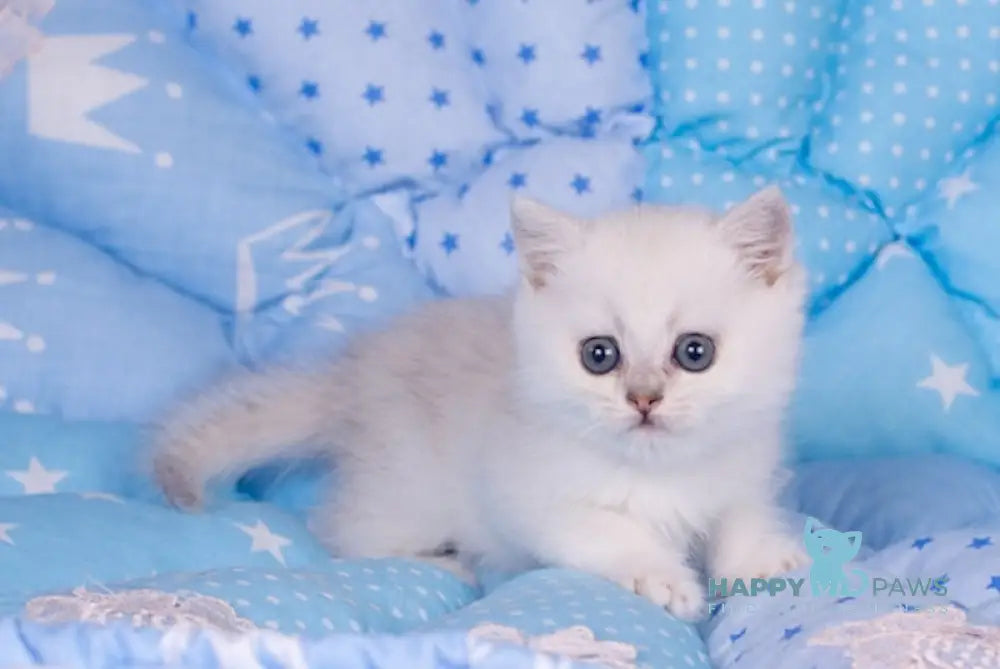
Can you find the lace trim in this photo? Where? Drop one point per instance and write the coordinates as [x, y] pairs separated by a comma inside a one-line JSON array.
[[18, 38], [144, 608], [938, 638], [575, 643]]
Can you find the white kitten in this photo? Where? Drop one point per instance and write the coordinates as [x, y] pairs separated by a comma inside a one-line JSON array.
[[623, 407]]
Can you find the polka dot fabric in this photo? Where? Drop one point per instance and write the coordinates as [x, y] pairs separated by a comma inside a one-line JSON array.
[[915, 84], [542, 602]]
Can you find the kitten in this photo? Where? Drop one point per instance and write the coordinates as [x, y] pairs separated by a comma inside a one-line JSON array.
[[622, 407]]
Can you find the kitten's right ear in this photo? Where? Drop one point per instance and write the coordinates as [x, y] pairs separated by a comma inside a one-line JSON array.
[[542, 236]]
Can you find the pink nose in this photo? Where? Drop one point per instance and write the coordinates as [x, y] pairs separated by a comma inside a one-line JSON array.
[[643, 402]]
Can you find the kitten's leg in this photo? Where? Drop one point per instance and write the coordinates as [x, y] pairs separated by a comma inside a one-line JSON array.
[[749, 541], [625, 551]]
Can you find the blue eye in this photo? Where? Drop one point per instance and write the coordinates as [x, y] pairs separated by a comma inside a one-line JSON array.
[[694, 352], [599, 355]]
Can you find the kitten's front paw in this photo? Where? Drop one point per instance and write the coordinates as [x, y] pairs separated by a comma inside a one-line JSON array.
[[677, 590], [179, 487], [780, 555]]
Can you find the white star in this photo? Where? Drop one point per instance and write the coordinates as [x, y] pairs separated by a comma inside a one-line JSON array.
[[890, 251], [105, 496], [265, 540], [4, 529], [36, 479], [952, 188], [948, 381]]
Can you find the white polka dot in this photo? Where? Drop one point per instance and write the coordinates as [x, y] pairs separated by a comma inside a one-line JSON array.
[[722, 64], [930, 122], [894, 182], [824, 244], [23, 224], [900, 60], [864, 179], [756, 34], [156, 37], [272, 624], [690, 32], [690, 63], [901, 35], [962, 32], [899, 87], [370, 242], [24, 406], [327, 623], [933, 62], [897, 150], [920, 184], [666, 181], [756, 67], [164, 159], [832, 148], [665, 36], [850, 246], [756, 99], [690, 95], [759, 181], [963, 96], [728, 176], [823, 211], [787, 70], [173, 90], [925, 154], [866, 116], [272, 599], [931, 33], [697, 178], [35, 344], [723, 32], [964, 64], [354, 625], [899, 118], [752, 132], [864, 146]]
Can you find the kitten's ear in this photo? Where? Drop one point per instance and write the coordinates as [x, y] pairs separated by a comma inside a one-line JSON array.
[[761, 230], [542, 236]]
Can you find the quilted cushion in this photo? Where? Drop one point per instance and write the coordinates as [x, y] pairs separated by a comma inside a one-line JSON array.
[[420, 92], [198, 233], [879, 120]]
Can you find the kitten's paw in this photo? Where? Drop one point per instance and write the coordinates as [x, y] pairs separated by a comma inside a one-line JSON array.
[[677, 590], [780, 556], [180, 488]]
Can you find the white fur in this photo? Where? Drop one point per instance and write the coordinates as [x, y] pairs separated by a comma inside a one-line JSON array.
[[472, 422]]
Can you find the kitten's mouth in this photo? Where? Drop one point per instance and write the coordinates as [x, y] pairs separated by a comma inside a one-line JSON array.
[[647, 424]]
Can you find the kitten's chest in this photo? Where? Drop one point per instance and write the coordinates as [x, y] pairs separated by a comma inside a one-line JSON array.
[[676, 503]]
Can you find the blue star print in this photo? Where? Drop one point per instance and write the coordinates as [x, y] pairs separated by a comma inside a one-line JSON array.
[[580, 184], [738, 635], [529, 117], [309, 90], [253, 81], [994, 583], [308, 28], [243, 27], [192, 20], [314, 145], [790, 632], [591, 54], [507, 244], [411, 240], [920, 543], [438, 159], [374, 94], [373, 156], [591, 116], [449, 242], [526, 53], [517, 180], [436, 40], [637, 195], [980, 542], [375, 30], [841, 600], [478, 57], [439, 98]]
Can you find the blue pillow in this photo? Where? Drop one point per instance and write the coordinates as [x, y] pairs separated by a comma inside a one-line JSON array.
[[86, 337], [890, 369], [954, 228], [915, 84], [887, 497], [419, 92]]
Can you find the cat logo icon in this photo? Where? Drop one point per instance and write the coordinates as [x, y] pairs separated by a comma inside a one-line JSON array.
[[831, 550]]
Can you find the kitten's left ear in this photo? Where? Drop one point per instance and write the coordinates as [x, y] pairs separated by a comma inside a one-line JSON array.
[[761, 230]]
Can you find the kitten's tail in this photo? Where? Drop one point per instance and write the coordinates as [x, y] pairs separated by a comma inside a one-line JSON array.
[[245, 421]]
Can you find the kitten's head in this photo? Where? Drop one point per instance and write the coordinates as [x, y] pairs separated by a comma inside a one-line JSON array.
[[652, 326]]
